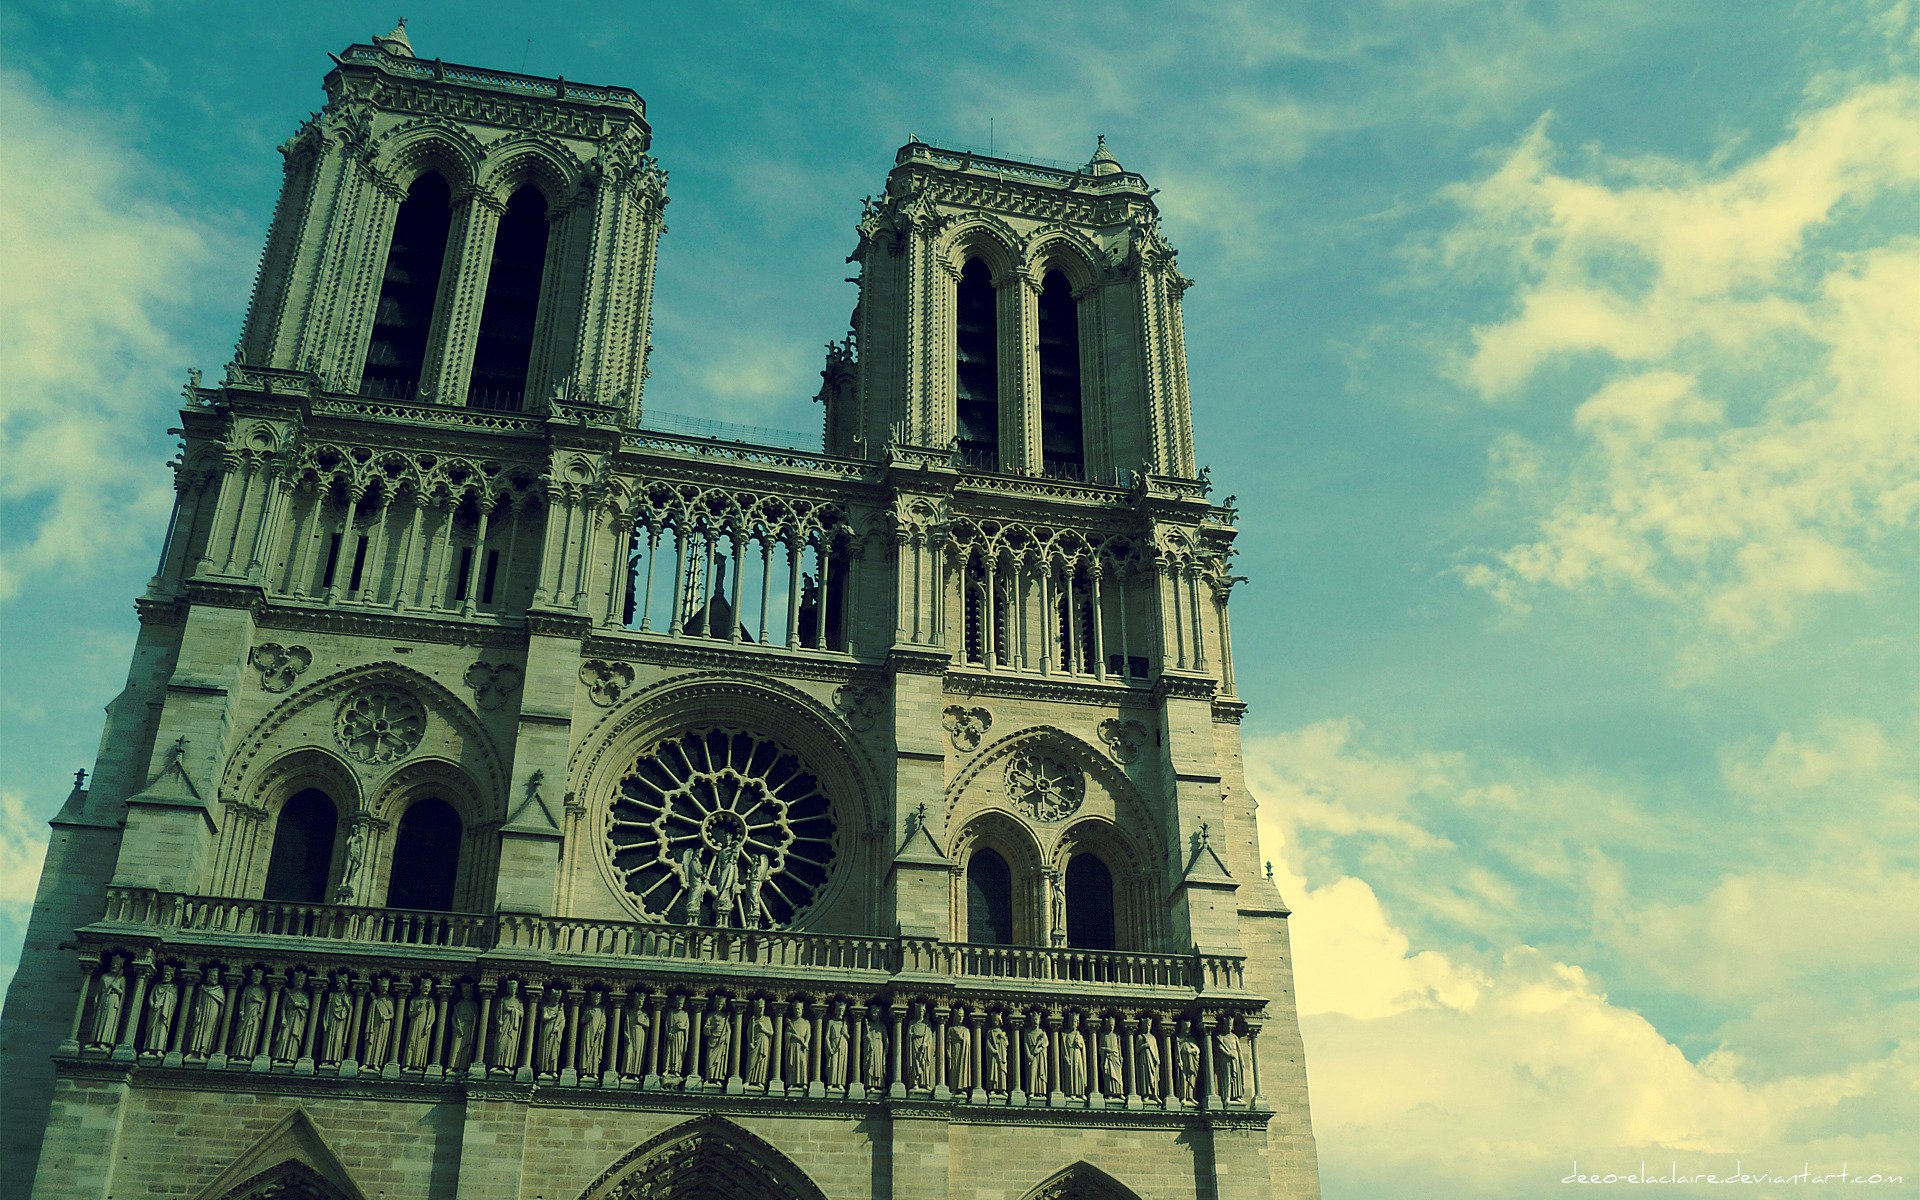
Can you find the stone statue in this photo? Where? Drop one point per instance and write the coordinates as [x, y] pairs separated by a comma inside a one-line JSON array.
[[162, 1002], [509, 1015], [356, 853], [1186, 1067], [959, 1053], [381, 1009], [725, 881], [1112, 1061], [874, 1054], [633, 1060], [697, 888], [1073, 1058], [461, 1043], [296, 1009], [753, 910], [1226, 1057], [1059, 895], [419, 1047], [106, 1010], [553, 1027], [996, 1055], [1146, 1061], [833, 1047], [759, 1044], [339, 1022], [719, 1042], [253, 1013], [208, 1005], [1034, 1042], [679, 1027], [799, 1045], [919, 1050], [592, 1051]]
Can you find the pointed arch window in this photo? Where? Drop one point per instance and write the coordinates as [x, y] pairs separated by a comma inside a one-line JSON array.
[[977, 367], [302, 858], [989, 899], [503, 353], [426, 856], [1062, 437], [1089, 903], [403, 316]]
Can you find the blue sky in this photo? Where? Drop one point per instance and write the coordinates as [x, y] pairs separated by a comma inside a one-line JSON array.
[[1563, 358]]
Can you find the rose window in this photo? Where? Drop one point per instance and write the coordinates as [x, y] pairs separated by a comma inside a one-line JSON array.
[[380, 724], [1043, 785], [720, 827]]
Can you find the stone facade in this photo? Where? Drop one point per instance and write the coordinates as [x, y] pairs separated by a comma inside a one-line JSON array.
[[509, 800]]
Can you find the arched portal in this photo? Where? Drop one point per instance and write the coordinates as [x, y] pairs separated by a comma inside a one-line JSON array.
[[706, 1159], [1081, 1181]]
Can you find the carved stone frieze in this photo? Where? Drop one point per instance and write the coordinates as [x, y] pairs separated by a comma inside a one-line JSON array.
[[380, 723], [966, 726], [1124, 739], [1048, 787], [860, 705], [279, 665], [493, 684]]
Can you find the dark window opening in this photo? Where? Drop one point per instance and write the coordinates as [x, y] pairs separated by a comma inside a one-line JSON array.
[[403, 315], [1062, 442], [302, 857], [977, 367], [426, 857], [504, 350], [359, 564], [460, 576], [487, 574], [989, 900], [1089, 904], [333, 561]]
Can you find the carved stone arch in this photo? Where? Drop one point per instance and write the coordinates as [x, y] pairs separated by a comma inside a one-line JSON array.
[[478, 756], [410, 150], [1069, 251], [707, 1158], [1081, 1181], [1010, 836], [988, 238], [481, 813], [1132, 811], [820, 737], [290, 1180], [531, 158], [247, 837]]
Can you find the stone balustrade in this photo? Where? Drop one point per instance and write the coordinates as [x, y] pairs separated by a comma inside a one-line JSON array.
[[996, 968], [295, 1010]]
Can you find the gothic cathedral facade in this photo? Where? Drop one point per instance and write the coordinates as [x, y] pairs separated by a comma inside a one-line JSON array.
[[508, 799]]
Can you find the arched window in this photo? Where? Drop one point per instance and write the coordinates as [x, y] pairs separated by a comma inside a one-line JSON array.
[[426, 857], [404, 314], [1089, 904], [977, 367], [505, 347], [1062, 443], [302, 858], [989, 900]]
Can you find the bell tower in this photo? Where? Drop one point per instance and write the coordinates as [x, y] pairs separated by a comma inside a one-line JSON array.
[[508, 798]]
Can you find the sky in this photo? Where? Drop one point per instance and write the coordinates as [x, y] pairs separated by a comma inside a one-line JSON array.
[[1565, 361]]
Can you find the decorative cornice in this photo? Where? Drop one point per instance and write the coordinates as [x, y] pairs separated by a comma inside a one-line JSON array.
[[918, 660], [1229, 712], [546, 623], [1173, 686], [705, 654], [1042, 687], [396, 626]]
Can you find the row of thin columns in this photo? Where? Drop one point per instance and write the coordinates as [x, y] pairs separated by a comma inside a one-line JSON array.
[[1084, 622], [421, 573], [625, 575]]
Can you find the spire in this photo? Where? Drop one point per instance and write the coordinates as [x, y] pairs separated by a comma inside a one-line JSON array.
[[396, 43], [1103, 162]]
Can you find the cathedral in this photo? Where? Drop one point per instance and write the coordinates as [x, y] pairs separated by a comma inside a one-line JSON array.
[[510, 798]]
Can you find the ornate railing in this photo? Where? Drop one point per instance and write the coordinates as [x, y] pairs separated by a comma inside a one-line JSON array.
[[631, 941]]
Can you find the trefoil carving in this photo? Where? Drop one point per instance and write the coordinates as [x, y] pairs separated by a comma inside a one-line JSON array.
[[606, 681], [1124, 739], [966, 726], [279, 665], [493, 684]]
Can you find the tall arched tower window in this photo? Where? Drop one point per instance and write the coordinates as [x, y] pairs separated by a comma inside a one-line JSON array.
[[1062, 442], [989, 899], [977, 367], [505, 347], [302, 855], [404, 315], [1089, 904], [426, 857]]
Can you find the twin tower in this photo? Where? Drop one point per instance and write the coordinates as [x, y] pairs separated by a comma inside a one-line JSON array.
[[508, 799]]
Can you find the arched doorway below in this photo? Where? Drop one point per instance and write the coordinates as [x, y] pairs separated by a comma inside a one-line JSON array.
[[706, 1159]]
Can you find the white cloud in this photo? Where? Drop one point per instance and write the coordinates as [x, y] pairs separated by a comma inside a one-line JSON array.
[[100, 270], [23, 843], [1754, 441]]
